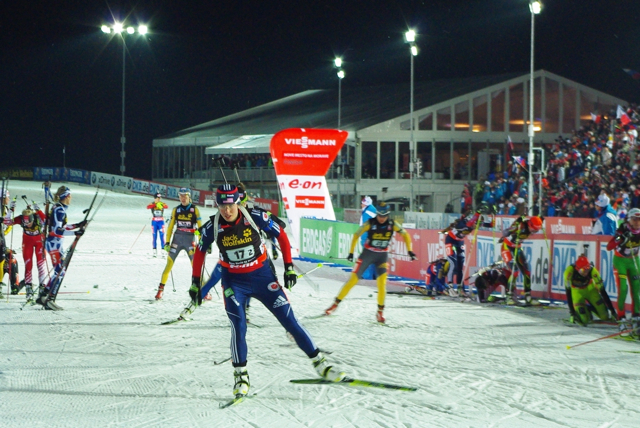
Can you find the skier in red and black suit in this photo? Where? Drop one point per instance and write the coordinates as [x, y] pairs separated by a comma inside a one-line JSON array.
[[514, 257], [454, 243], [246, 272], [32, 221]]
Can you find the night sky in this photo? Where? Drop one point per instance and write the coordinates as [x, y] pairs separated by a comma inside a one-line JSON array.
[[61, 77]]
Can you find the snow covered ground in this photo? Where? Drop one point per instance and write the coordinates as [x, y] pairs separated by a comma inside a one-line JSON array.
[[105, 361]]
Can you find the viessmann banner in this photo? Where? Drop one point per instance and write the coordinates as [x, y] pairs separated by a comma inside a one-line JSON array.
[[301, 158]]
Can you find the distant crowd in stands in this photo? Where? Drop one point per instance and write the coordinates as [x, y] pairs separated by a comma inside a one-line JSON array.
[[598, 165], [241, 161]]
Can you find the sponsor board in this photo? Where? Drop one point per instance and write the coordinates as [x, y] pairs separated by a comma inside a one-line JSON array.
[[111, 182], [301, 158], [327, 240]]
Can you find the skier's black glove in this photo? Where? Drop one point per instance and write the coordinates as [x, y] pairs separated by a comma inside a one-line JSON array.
[[274, 252], [82, 224], [413, 255], [350, 257], [195, 292], [79, 232], [290, 276]]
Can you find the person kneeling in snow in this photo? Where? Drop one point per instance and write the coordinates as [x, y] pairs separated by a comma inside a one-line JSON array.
[[585, 293]]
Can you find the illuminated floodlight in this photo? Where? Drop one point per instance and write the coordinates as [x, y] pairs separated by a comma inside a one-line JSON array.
[[410, 36], [117, 27], [105, 29], [143, 29], [131, 30], [337, 62], [341, 74], [535, 7], [414, 50]]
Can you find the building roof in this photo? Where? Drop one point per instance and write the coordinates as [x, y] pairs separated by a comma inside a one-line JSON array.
[[361, 107]]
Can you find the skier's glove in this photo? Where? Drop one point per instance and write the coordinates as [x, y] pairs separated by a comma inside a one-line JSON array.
[[350, 257], [82, 224], [12, 205], [194, 291], [290, 276], [413, 255], [167, 247], [274, 252], [79, 232]]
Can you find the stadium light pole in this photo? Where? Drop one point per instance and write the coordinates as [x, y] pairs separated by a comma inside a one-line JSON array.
[[535, 6], [337, 63], [118, 28], [410, 38]]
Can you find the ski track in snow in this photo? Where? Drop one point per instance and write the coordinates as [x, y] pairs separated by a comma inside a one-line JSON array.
[[106, 361]]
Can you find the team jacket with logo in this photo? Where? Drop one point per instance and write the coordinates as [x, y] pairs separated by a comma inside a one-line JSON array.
[[465, 225], [379, 235], [518, 232], [36, 228], [58, 221], [625, 242], [186, 219], [241, 247], [157, 210]]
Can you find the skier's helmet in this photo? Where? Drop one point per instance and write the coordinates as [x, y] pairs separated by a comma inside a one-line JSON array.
[[158, 195], [383, 209], [227, 194], [633, 213], [184, 191], [535, 224], [583, 265], [27, 217]]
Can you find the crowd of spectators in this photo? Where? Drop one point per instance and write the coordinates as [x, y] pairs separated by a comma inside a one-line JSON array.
[[241, 161], [601, 158]]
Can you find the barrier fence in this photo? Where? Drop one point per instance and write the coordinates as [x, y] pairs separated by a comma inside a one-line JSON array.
[[548, 256]]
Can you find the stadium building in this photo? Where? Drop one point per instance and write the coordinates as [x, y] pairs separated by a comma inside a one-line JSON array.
[[461, 129]]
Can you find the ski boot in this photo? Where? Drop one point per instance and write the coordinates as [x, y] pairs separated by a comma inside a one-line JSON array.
[[42, 295], [452, 292], [511, 299], [331, 309], [15, 289], [241, 385], [29, 291], [155, 252], [461, 292], [160, 291], [325, 370], [379, 316], [530, 301]]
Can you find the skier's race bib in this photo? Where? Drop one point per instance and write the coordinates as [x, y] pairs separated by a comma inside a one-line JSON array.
[[242, 254], [376, 243]]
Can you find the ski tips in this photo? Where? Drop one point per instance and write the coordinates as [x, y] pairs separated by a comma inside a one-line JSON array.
[[568, 347]]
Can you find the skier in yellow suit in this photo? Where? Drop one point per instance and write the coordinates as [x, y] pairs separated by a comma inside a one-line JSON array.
[[379, 232], [186, 218]]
